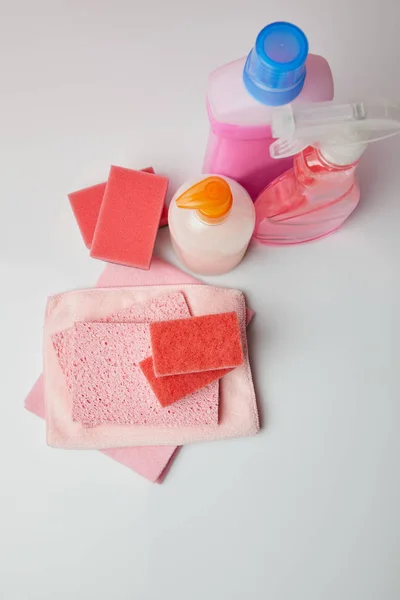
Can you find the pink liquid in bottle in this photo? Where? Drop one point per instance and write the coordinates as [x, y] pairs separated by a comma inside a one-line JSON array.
[[318, 194], [309, 201], [241, 96]]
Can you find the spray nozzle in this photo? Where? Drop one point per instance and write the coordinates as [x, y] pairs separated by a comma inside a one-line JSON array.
[[341, 131]]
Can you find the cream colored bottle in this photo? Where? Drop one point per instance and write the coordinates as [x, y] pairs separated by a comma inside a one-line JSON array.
[[211, 221]]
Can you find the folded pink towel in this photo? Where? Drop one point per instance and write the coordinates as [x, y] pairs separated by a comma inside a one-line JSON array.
[[152, 462], [238, 411]]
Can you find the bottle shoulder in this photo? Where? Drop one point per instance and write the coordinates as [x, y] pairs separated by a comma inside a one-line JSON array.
[[230, 102]]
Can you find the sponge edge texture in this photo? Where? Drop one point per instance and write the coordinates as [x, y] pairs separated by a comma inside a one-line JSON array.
[[197, 344], [86, 205], [171, 388], [109, 387], [163, 308], [129, 217]]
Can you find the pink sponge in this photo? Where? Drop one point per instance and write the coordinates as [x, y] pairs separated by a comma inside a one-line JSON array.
[[129, 217], [86, 204], [171, 388], [162, 308], [109, 387], [197, 344]]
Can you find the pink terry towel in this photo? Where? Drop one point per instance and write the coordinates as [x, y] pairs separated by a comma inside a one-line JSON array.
[[238, 411], [152, 462]]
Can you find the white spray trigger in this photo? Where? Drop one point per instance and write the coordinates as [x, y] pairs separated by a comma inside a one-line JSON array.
[[330, 125]]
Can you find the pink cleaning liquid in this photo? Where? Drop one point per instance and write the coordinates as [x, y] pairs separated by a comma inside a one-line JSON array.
[[240, 132], [307, 202]]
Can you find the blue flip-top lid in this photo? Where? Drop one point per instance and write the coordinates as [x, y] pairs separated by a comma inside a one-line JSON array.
[[275, 70]]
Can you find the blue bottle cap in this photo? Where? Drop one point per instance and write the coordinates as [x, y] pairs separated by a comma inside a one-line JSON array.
[[275, 70]]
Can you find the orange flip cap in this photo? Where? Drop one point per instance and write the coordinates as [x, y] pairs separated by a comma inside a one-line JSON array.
[[212, 197]]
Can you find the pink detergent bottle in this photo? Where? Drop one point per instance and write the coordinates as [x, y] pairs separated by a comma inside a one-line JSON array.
[[240, 98], [317, 195]]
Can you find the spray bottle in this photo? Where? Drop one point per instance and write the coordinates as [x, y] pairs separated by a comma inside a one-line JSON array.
[[318, 194]]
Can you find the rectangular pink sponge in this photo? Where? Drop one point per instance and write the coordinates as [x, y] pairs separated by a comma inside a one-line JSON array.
[[86, 205], [200, 408], [164, 308], [152, 462], [109, 386], [198, 344], [171, 388], [129, 217]]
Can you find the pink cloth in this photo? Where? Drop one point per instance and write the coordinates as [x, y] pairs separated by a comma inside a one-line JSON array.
[[238, 411], [152, 462]]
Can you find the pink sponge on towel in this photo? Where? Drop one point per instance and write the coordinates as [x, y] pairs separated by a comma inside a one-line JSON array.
[[82, 358], [164, 308], [109, 387], [150, 461], [196, 344], [171, 388], [237, 414], [86, 205], [129, 217]]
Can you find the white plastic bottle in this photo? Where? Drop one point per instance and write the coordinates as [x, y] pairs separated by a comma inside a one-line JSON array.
[[211, 221]]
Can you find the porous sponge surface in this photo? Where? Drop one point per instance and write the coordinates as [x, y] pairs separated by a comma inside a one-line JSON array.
[[171, 388], [109, 386], [86, 205], [198, 344], [129, 217], [203, 404]]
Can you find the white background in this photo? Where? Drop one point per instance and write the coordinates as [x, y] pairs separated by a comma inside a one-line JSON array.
[[307, 510]]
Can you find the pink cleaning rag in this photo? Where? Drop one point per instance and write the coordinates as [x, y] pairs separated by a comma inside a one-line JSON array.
[[152, 462], [238, 410]]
